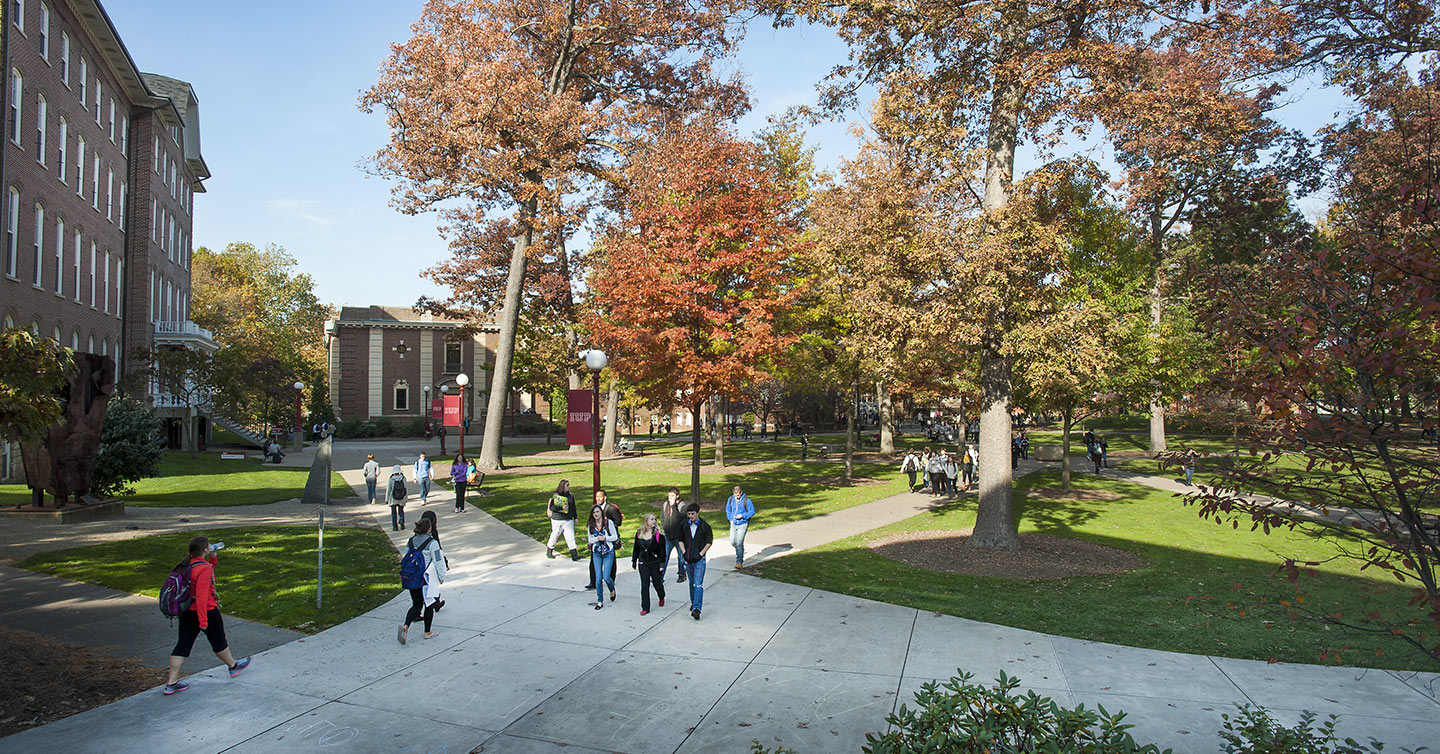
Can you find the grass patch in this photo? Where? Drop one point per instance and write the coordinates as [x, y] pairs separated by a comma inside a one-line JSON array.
[[205, 480], [266, 574], [1203, 588]]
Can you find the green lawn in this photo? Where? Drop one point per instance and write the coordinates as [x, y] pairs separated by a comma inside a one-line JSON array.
[[205, 480], [1203, 588], [782, 491], [265, 574]]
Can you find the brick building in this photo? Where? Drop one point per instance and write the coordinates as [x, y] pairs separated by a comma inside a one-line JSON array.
[[100, 168]]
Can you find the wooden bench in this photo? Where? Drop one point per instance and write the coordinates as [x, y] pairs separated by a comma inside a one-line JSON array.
[[626, 447]]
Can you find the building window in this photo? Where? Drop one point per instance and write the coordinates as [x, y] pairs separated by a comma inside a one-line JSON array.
[[155, 158], [78, 248], [125, 135], [94, 260], [452, 357], [65, 58], [154, 219], [99, 97], [45, 42], [12, 234], [91, 347], [119, 275], [17, 82], [95, 182], [75, 340], [37, 278], [105, 297], [60, 153], [112, 120], [41, 110], [110, 194], [17, 14], [123, 196], [59, 257], [84, 79], [80, 166], [402, 396]]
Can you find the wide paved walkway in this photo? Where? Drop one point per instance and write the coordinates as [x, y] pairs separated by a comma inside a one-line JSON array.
[[523, 664]]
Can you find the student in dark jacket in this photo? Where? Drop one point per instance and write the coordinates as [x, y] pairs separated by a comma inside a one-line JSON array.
[[611, 512], [672, 517], [648, 556], [695, 541], [561, 509]]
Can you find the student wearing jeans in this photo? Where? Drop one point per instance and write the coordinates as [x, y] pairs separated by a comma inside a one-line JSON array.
[[371, 469], [423, 474], [738, 510], [203, 616], [672, 517], [695, 541], [602, 539]]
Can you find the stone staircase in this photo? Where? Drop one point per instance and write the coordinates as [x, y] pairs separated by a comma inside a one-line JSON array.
[[250, 436]]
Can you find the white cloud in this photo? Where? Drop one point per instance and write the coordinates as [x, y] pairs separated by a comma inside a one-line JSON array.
[[298, 209]]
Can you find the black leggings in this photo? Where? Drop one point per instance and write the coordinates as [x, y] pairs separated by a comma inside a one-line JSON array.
[[190, 630], [460, 495], [651, 574], [417, 605]]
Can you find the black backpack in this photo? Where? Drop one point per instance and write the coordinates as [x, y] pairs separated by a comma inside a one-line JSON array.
[[399, 488]]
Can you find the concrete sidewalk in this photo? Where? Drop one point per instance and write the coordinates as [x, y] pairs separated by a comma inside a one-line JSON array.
[[524, 664]]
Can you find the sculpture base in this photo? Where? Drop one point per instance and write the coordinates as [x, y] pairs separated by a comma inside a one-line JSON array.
[[68, 514]]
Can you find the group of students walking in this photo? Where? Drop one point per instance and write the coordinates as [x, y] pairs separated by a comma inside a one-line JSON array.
[[941, 472]]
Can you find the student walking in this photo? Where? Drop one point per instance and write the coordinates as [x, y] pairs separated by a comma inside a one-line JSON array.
[[561, 509], [738, 511], [648, 556], [424, 474], [695, 541], [910, 466], [612, 513], [672, 517], [203, 615], [459, 476], [432, 582], [415, 576], [602, 536], [1190, 456], [371, 469], [935, 472], [952, 474], [395, 494]]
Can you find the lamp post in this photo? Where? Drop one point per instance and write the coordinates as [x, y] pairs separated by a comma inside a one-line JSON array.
[[462, 380], [426, 410], [443, 390], [595, 360], [299, 433]]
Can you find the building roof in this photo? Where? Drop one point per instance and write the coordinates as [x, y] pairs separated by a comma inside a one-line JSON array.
[[187, 106], [399, 316]]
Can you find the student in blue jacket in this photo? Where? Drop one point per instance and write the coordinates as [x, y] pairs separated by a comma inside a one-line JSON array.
[[739, 510]]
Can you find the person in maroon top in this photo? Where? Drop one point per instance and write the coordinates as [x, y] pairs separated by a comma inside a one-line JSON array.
[[202, 616]]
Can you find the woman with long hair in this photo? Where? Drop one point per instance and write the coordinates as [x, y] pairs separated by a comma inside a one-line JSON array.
[[424, 541], [561, 509], [648, 556], [459, 471], [602, 537], [203, 615]]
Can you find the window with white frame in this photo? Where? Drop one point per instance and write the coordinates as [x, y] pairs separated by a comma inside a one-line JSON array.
[[155, 157], [119, 277], [84, 78], [45, 34], [65, 58], [154, 219], [99, 98], [125, 135], [112, 120], [17, 14], [94, 263], [74, 340], [105, 296], [80, 166], [124, 195], [91, 347], [79, 247], [95, 182], [17, 83], [110, 194], [41, 115], [402, 396], [12, 234], [59, 256], [37, 278], [60, 152]]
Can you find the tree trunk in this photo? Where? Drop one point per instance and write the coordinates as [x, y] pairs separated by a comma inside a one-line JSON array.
[[1157, 408], [695, 455], [549, 420], [887, 419], [995, 516], [491, 452], [612, 417], [721, 424], [851, 427], [1067, 421]]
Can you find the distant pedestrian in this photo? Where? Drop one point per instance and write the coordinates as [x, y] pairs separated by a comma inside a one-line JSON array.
[[561, 509], [695, 541], [371, 469], [602, 536], [952, 474], [459, 476], [648, 556], [739, 509], [424, 474], [1189, 461], [672, 517], [925, 467], [911, 467], [395, 494], [967, 470], [428, 548], [1104, 453], [935, 472], [203, 615], [804, 446]]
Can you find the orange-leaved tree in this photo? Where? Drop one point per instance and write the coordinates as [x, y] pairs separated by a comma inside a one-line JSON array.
[[693, 279], [499, 111]]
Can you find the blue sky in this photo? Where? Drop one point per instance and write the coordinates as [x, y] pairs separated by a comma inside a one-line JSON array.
[[278, 82]]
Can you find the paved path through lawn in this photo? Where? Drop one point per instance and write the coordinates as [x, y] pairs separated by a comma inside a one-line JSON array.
[[524, 664]]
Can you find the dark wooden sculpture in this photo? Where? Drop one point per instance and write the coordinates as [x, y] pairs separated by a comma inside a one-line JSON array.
[[63, 464]]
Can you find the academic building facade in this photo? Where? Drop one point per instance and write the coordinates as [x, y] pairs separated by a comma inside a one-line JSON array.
[[100, 167]]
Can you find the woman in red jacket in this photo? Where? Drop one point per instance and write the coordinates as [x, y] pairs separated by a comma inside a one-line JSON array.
[[202, 616]]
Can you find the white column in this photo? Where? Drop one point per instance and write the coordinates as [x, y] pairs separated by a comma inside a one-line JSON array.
[[334, 381], [377, 369], [427, 367]]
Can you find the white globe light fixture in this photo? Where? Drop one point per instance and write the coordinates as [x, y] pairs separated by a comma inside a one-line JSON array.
[[462, 379], [595, 359]]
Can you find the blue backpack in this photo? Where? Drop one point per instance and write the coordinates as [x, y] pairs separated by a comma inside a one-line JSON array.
[[412, 568]]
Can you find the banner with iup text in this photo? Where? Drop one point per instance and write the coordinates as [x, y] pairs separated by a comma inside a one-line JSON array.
[[580, 418], [452, 411]]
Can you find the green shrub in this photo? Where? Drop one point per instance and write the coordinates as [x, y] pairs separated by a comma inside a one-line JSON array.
[[1253, 731], [129, 449], [384, 427], [958, 717], [349, 430]]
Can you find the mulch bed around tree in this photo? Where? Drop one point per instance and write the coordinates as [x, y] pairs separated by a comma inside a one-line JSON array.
[[43, 680], [1041, 556]]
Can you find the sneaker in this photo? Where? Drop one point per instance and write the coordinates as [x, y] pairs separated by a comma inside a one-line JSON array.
[[176, 687], [599, 605], [695, 614], [739, 565], [239, 666], [644, 612], [400, 634], [589, 586], [612, 595], [550, 553], [681, 579], [575, 556]]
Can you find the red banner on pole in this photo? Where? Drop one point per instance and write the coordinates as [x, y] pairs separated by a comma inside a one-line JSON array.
[[579, 418], [452, 411], [437, 409]]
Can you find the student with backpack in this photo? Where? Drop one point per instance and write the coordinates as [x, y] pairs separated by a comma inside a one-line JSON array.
[[395, 495], [910, 467], [423, 561], [190, 595]]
